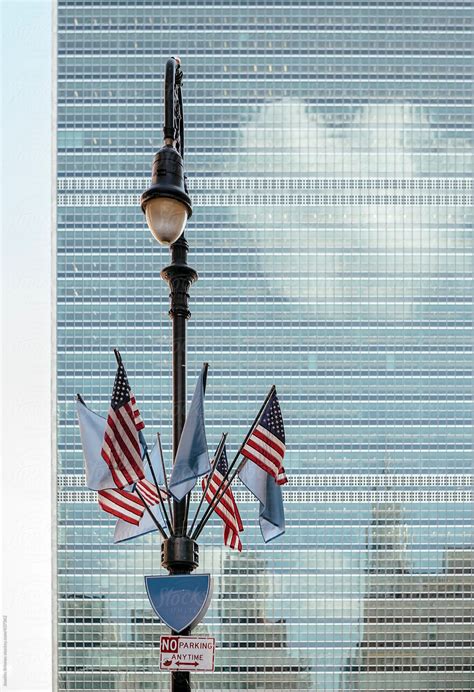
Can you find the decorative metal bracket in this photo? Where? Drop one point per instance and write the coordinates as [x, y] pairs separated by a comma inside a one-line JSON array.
[[174, 124], [179, 276]]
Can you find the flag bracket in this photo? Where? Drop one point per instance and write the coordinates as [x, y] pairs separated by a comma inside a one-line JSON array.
[[179, 554]]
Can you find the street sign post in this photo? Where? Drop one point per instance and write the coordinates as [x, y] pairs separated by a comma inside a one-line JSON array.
[[187, 653]]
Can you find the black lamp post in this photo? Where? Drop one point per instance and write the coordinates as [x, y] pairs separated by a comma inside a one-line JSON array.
[[167, 207]]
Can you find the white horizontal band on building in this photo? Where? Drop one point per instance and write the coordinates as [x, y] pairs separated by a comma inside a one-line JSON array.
[[382, 198], [318, 496], [401, 481], [267, 183]]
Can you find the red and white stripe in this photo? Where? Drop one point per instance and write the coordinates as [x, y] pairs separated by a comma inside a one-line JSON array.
[[150, 492], [121, 504], [121, 447], [232, 539], [282, 477], [226, 509], [139, 424], [266, 450]]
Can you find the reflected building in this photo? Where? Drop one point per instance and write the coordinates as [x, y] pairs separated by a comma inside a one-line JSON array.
[[417, 627], [328, 150], [247, 634], [84, 629]]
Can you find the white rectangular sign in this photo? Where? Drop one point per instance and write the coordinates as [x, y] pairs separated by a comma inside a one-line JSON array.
[[187, 653]]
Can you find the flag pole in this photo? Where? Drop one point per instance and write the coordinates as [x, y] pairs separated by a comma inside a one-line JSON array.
[[155, 520], [217, 456], [165, 513], [163, 467], [218, 497], [221, 491], [118, 358]]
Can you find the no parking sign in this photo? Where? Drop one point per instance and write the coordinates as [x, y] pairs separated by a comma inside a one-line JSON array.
[[187, 653]]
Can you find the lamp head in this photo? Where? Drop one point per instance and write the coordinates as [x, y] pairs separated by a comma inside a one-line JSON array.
[[166, 204]]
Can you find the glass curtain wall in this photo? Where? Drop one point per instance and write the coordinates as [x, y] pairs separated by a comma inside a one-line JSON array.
[[328, 155]]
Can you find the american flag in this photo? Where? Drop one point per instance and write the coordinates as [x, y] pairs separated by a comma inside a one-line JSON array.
[[226, 507], [266, 443], [151, 493], [121, 446], [121, 504], [282, 478], [139, 424]]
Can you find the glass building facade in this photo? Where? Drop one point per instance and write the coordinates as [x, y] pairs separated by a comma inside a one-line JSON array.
[[328, 155]]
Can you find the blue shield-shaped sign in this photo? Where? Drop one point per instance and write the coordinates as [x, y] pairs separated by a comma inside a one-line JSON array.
[[180, 600]]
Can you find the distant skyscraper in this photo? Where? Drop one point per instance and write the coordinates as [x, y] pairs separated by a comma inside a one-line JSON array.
[[328, 154]]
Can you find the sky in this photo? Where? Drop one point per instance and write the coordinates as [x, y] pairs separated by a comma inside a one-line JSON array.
[[26, 343]]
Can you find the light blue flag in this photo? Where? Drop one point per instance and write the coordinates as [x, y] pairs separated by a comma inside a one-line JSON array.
[[124, 531], [92, 426], [155, 459], [192, 457], [264, 487]]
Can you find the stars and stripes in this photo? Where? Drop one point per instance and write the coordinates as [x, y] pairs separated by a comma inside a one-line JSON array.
[[139, 424], [150, 492], [121, 446], [282, 478], [266, 443], [226, 506], [122, 504]]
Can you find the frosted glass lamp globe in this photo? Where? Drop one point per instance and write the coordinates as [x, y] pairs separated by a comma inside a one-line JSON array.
[[166, 219]]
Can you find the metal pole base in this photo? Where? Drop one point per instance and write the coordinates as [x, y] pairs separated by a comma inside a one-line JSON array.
[[180, 682], [180, 555]]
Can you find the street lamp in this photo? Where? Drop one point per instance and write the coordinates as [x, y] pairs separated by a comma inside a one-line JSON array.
[[167, 207]]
